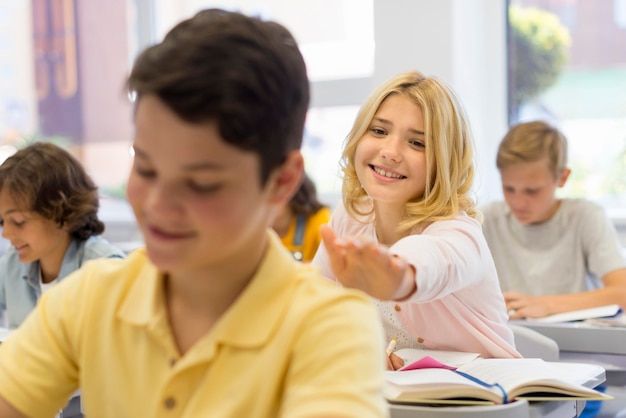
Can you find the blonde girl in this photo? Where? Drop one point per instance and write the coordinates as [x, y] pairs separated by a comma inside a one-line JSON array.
[[406, 232]]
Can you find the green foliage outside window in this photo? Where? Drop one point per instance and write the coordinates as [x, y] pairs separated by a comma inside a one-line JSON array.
[[539, 44]]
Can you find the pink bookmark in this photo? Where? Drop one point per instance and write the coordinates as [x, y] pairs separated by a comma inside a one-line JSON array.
[[427, 362]]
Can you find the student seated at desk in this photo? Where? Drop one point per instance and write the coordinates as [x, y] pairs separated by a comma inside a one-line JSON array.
[[406, 232], [298, 224], [214, 318], [49, 213], [552, 255]]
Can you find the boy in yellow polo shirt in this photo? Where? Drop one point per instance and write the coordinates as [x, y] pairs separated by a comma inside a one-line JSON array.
[[213, 318]]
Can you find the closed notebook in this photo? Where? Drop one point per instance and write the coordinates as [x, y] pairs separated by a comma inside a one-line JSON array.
[[492, 381]]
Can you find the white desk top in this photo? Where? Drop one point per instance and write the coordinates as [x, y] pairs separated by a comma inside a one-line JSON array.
[[517, 409], [581, 336], [589, 343]]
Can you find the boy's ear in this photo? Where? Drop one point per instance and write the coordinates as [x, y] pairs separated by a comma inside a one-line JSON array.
[[563, 177], [288, 177]]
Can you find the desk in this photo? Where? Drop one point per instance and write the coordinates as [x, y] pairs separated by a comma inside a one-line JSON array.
[[583, 342], [517, 409]]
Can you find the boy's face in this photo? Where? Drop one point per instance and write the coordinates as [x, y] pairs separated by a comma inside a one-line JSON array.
[[529, 190], [198, 200], [33, 236]]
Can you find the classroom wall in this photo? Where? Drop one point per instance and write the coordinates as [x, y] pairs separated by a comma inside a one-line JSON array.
[[463, 43]]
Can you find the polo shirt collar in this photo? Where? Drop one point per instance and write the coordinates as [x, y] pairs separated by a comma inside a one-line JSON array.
[[145, 298], [249, 322], [257, 314]]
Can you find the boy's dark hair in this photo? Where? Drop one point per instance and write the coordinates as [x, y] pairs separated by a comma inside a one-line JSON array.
[[48, 180], [246, 74], [305, 200]]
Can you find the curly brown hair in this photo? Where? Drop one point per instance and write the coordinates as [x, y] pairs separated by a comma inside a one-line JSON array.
[[48, 180]]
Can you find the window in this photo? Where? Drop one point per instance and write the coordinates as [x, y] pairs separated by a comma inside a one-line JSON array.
[[582, 95], [336, 37], [62, 71], [337, 41], [63, 64]]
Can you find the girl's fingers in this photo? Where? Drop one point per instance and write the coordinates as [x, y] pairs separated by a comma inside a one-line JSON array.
[[398, 264], [396, 361]]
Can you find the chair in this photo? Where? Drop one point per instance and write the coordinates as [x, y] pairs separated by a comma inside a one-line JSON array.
[[533, 344]]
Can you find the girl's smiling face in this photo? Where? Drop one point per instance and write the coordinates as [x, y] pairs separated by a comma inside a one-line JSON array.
[[390, 159]]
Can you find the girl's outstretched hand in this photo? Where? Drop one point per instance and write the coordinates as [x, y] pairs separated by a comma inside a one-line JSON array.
[[368, 266]]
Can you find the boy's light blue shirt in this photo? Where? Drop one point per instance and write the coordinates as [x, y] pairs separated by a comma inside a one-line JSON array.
[[19, 283]]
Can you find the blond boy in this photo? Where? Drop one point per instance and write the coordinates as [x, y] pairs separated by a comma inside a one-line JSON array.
[[552, 255]]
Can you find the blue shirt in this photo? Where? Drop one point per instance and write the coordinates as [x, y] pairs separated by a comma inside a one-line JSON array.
[[19, 283]]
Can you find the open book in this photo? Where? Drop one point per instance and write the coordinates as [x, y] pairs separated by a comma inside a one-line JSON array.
[[418, 358], [613, 321], [579, 315], [492, 381]]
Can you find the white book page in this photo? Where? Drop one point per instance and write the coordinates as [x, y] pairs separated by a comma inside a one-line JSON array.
[[617, 321], [427, 377], [599, 312], [450, 358], [425, 384], [515, 373]]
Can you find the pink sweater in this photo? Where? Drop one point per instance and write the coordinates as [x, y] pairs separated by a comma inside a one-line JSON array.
[[458, 304]]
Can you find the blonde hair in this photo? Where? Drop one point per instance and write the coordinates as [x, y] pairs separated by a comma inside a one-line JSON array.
[[530, 142], [448, 148]]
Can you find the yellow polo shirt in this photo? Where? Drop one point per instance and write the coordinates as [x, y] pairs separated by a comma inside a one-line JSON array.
[[292, 345]]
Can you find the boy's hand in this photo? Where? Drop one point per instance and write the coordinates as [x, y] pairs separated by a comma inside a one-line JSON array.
[[520, 305], [366, 265]]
